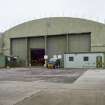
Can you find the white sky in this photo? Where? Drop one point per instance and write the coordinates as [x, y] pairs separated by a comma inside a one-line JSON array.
[[13, 12]]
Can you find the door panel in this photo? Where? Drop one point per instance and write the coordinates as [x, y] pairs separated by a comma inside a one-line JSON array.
[[37, 42], [56, 45], [19, 48], [79, 43]]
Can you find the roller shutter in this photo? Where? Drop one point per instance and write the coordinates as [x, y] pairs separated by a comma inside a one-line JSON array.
[[79, 43], [36, 42], [56, 45], [19, 48]]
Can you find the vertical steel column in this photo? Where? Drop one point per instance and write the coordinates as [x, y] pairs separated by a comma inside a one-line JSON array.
[[27, 51], [45, 38], [47, 32], [10, 47], [67, 43]]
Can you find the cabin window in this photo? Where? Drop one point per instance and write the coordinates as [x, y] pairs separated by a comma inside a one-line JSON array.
[[71, 59], [86, 58]]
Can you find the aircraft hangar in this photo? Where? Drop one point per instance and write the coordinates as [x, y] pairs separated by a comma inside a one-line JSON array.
[[32, 40]]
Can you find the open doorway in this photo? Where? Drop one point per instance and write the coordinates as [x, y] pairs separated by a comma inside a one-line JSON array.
[[37, 57]]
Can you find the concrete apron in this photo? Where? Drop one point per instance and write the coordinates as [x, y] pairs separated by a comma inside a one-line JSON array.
[[89, 89]]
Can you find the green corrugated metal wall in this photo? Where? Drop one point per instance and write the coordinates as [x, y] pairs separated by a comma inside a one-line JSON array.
[[19, 48], [79, 43], [56, 45], [37, 42]]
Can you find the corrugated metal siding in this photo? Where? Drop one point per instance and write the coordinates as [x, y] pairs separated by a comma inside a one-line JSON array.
[[19, 48], [37, 42], [79, 43], [56, 45]]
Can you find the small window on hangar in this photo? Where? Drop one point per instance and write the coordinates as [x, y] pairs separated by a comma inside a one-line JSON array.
[[71, 59], [86, 58]]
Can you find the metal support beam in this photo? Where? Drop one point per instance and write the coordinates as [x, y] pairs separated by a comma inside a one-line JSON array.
[[45, 38], [10, 46], [67, 43], [29, 53], [27, 49]]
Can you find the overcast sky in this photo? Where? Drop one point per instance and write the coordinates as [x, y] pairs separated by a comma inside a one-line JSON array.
[[13, 12]]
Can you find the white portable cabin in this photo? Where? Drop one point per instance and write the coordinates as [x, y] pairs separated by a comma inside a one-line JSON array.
[[84, 60]]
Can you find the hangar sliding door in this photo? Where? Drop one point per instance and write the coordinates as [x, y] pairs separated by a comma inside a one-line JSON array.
[[79, 43], [56, 45], [37, 51], [19, 48], [36, 42]]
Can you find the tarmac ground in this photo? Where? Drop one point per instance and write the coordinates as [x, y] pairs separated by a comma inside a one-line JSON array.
[[40, 86]]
